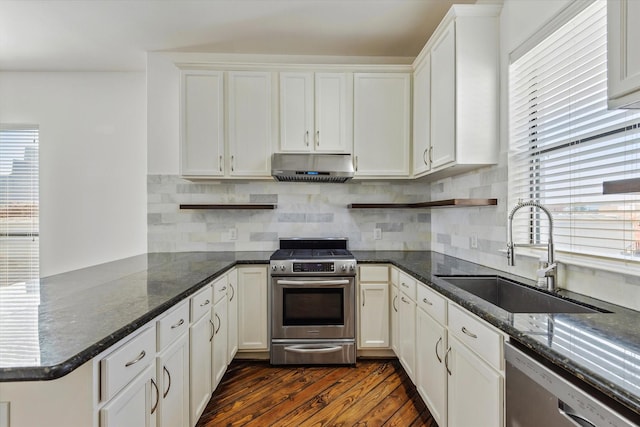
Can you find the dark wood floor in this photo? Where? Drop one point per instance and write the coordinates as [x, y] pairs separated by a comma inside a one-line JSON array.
[[374, 393]]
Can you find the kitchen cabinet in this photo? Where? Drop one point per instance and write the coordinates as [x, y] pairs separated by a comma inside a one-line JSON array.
[[232, 314], [315, 112], [253, 318], [464, 90], [381, 124], [373, 305], [220, 334], [172, 367], [135, 405], [422, 117], [395, 296], [202, 123], [407, 325], [623, 53], [200, 346], [250, 124], [431, 345]]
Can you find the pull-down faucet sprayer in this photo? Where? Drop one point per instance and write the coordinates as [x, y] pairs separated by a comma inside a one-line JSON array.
[[550, 270]]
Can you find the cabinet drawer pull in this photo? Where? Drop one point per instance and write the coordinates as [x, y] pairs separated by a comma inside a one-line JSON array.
[[468, 332], [219, 324], [426, 301], [395, 307], [205, 303], [224, 288], [177, 325], [213, 330], [153, 383], [404, 285], [136, 360], [233, 293], [437, 355], [164, 395], [404, 300], [446, 361]]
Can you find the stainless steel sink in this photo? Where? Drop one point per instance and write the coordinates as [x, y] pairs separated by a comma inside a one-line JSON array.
[[515, 297]]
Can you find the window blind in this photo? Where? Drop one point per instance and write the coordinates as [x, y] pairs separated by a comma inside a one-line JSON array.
[[19, 204], [564, 143]]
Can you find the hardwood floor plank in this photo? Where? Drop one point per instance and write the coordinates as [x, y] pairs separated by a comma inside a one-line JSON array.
[[373, 393]]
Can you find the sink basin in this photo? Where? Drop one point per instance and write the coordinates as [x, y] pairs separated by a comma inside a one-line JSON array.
[[515, 297]]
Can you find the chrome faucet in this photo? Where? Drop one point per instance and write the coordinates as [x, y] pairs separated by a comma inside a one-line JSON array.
[[548, 271]]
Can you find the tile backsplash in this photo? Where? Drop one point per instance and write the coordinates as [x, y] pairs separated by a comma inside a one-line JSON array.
[[303, 210]]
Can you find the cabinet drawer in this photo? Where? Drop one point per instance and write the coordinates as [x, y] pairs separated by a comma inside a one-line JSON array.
[[173, 324], [432, 303], [123, 364], [407, 285], [481, 338], [219, 289], [201, 303], [374, 273]]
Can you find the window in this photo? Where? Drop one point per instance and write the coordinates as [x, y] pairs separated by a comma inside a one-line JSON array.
[[19, 202], [564, 143]]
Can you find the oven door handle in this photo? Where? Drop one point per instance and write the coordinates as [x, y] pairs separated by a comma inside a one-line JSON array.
[[312, 348], [313, 282]]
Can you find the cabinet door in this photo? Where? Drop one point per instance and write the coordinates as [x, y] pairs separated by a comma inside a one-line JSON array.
[[381, 124], [200, 338], [443, 99], [374, 315], [135, 405], [296, 112], [395, 320], [250, 116], [332, 113], [431, 375], [219, 362], [407, 331], [623, 43], [202, 123], [232, 308], [252, 309], [475, 391], [173, 383], [422, 117]]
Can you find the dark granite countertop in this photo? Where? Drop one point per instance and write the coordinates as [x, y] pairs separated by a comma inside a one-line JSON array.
[[70, 318]]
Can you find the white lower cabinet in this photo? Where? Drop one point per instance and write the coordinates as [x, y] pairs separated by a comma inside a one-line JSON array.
[[135, 405], [219, 352], [395, 319], [253, 321], [200, 338], [407, 334], [172, 371], [232, 314], [374, 315], [431, 374], [475, 390]]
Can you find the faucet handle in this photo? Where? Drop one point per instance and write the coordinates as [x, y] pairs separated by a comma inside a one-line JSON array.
[[547, 270]]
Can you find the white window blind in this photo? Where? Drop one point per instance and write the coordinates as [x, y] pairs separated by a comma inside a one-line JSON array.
[[564, 143], [19, 204]]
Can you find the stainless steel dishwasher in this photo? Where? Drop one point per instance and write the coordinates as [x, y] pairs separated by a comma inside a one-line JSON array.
[[539, 395]]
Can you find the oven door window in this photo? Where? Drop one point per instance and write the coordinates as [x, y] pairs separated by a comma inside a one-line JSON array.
[[308, 307]]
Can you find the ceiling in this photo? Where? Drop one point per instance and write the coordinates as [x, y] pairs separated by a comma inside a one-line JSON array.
[[106, 35]]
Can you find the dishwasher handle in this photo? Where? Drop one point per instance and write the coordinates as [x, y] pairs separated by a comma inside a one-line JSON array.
[[573, 416]]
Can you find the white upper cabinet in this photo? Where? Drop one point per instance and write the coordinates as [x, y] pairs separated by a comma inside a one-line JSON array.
[[623, 47], [202, 123], [381, 124], [422, 123], [315, 112], [464, 93], [250, 124]]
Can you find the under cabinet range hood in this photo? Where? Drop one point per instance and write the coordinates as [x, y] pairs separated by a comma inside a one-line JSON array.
[[289, 167]]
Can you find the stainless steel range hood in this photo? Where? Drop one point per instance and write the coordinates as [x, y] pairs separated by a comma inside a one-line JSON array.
[[311, 167]]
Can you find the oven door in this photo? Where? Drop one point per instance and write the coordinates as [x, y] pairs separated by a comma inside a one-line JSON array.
[[313, 308]]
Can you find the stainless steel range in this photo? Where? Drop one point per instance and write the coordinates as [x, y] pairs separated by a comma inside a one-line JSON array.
[[313, 302]]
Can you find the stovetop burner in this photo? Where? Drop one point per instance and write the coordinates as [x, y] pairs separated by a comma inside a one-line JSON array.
[[281, 254], [313, 256]]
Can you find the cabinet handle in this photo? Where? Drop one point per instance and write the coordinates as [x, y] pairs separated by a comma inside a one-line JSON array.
[[426, 301], [468, 332], [318, 138], [153, 409], [177, 325], [430, 154], [437, 355], [220, 163], [395, 298], [164, 395], [446, 361], [136, 360], [233, 293], [224, 288], [363, 297], [355, 161], [306, 138], [404, 300], [424, 156], [232, 163], [205, 303], [213, 330], [219, 324], [404, 285]]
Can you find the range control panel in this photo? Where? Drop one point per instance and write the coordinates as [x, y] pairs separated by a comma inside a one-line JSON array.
[[330, 268]]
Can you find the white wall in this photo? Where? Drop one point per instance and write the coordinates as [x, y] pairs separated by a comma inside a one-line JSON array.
[[92, 162]]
